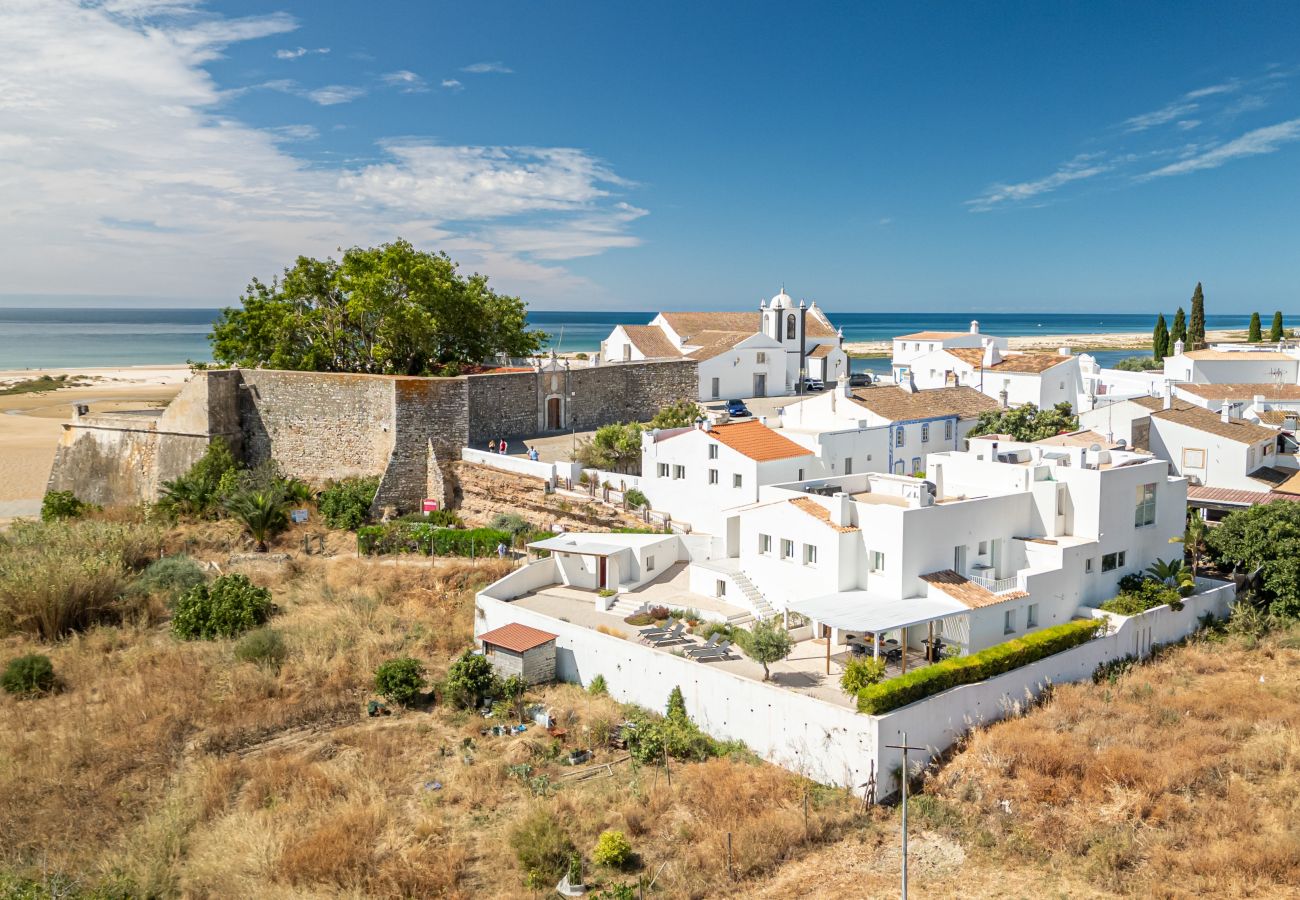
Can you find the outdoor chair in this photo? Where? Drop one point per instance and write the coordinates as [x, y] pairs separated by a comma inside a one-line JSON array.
[[669, 637], [707, 645], [721, 651], [656, 630]]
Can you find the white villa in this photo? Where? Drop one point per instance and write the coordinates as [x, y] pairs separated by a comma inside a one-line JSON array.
[[1013, 379], [1234, 364], [740, 354]]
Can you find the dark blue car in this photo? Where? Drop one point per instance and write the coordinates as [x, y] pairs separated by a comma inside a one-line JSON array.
[[737, 409]]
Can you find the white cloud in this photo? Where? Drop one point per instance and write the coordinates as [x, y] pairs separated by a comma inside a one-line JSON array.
[[1226, 87], [122, 174], [299, 52], [1077, 169], [1165, 114], [1252, 143], [452, 84], [485, 68], [1188, 124], [334, 94], [407, 81]]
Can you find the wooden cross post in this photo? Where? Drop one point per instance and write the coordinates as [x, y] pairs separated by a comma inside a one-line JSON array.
[[905, 748]]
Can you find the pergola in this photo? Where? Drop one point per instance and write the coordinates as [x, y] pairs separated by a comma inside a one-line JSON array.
[[864, 612]]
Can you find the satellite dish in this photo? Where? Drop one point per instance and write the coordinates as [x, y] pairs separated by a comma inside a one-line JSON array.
[[1095, 448]]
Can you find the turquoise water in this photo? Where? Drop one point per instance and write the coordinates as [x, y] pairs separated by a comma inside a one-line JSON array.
[[67, 337]]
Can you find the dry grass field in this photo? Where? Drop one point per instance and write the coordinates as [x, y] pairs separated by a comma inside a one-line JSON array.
[[169, 768]]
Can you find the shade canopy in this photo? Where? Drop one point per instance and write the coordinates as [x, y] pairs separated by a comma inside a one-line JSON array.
[[863, 611], [578, 545]]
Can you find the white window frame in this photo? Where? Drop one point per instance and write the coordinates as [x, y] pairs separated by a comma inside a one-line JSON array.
[[947, 429], [877, 563], [787, 549], [679, 472], [737, 480], [925, 432], [900, 437], [810, 554], [650, 562], [713, 476], [1009, 622], [1031, 615], [664, 470], [765, 545], [713, 450], [1111, 562], [1144, 510]]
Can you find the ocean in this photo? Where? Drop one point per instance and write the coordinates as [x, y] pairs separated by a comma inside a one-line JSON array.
[[33, 338]]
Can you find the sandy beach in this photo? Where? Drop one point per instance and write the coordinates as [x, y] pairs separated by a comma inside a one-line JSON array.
[[30, 423], [1138, 342]]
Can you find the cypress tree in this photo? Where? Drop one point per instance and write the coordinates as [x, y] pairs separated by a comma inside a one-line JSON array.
[[1160, 339], [1196, 327], [1179, 331], [1253, 334], [1275, 333]]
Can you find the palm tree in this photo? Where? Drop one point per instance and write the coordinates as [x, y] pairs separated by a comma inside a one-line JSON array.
[[1193, 540], [264, 513]]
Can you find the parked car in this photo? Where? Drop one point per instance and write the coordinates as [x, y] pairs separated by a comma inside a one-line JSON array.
[[737, 409], [860, 379], [814, 384]]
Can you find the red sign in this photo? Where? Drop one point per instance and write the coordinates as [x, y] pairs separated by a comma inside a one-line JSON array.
[[429, 506]]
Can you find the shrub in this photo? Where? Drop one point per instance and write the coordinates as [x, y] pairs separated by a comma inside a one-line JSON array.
[[920, 683], [28, 676], [1138, 364], [198, 491], [419, 537], [635, 498], [264, 513], [265, 647], [678, 414], [858, 673], [228, 607], [639, 619], [658, 613], [598, 686], [60, 577], [169, 577], [346, 503], [613, 849], [541, 846], [1145, 594], [606, 592], [56, 505], [675, 735], [400, 680], [471, 680], [676, 711], [512, 523]]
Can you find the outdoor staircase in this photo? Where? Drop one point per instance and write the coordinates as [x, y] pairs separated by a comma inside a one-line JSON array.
[[762, 609], [626, 605]]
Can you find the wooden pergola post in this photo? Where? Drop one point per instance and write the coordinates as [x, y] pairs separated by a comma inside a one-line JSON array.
[[904, 643], [826, 629]]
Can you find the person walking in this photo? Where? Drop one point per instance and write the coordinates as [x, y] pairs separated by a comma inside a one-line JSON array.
[[492, 446], [501, 550], [503, 447]]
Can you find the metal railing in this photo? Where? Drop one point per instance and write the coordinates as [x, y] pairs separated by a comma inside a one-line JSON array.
[[996, 585]]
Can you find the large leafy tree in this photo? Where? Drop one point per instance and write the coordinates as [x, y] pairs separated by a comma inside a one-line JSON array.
[[1275, 333], [1178, 331], [1196, 327], [1267, 537], [1160, 339], [390, 310], [613, 448], [1027, 422]]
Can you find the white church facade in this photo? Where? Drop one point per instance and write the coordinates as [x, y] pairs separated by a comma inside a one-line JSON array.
[[740, 354]]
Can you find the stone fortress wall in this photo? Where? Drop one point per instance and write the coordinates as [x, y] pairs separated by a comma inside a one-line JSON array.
[[322, 426]]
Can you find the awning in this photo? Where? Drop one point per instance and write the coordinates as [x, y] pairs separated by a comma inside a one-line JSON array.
[[862, 611], [577, 545]]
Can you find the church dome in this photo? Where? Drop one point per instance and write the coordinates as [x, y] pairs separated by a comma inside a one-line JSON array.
[[781, 301]]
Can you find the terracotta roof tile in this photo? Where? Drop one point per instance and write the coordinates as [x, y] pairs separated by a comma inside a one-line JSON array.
[[1280, 417], [715, 343], [1241, 391], [931, 335], [821, 351], [1085, 438], [1237, 354], [897, 404], [963, 590], [756, 441], [820, 513], [688, 324], [1031, 363], [516, 637], [651, 341], [1238, 430]]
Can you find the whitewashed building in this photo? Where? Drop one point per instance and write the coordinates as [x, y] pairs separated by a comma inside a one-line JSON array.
[[908, 347], [1013, 379], [1234, 364], [740, 354]]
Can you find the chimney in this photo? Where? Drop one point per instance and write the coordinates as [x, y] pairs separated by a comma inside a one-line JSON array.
[[909, 383], [706, 425], [843, 382], [1258, 400], [1168, 399], [1063, 351], [1178, 348], [1225, 412], [1003, 395], [840, 510], [974, 326]]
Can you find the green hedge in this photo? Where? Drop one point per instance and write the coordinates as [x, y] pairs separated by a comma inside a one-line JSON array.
[[995, 660], [418, 537]]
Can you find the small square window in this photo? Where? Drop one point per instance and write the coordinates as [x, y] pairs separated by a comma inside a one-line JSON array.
[[810, 554], [713, 476], [737, 481], [663, 470], [984, 547], [679, 471], [1031, 616], [787, 548], [649, 563], [877, 561], [1009, 622], [713, 451], [765, 544]]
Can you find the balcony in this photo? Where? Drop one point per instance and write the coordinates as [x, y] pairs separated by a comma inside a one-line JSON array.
[[996, 585]]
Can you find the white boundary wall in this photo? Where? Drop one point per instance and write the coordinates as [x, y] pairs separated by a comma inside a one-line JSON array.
[[551, 473], [826, 742]]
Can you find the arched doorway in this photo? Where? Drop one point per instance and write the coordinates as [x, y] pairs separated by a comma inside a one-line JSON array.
[[554, 417]]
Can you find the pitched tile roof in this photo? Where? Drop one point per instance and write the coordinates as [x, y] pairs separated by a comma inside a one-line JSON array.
[[715, 343], [1238, 430], [1158, 403], [821, 351], [516, 637], [1237, 354], [1279, 417], [756, 441], [1290, 485], [897, 404], [688, 324], [931, 335], [1085, 438], [963, 590], [821, 513], [1011, 362], [1241, 391], [651, 341]]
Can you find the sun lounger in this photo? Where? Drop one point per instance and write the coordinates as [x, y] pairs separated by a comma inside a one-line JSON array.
[[721, 651], [670, 637], [708, 645], [656, 630]]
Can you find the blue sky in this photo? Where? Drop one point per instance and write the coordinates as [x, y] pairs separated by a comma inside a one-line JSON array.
[[984, 157]]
